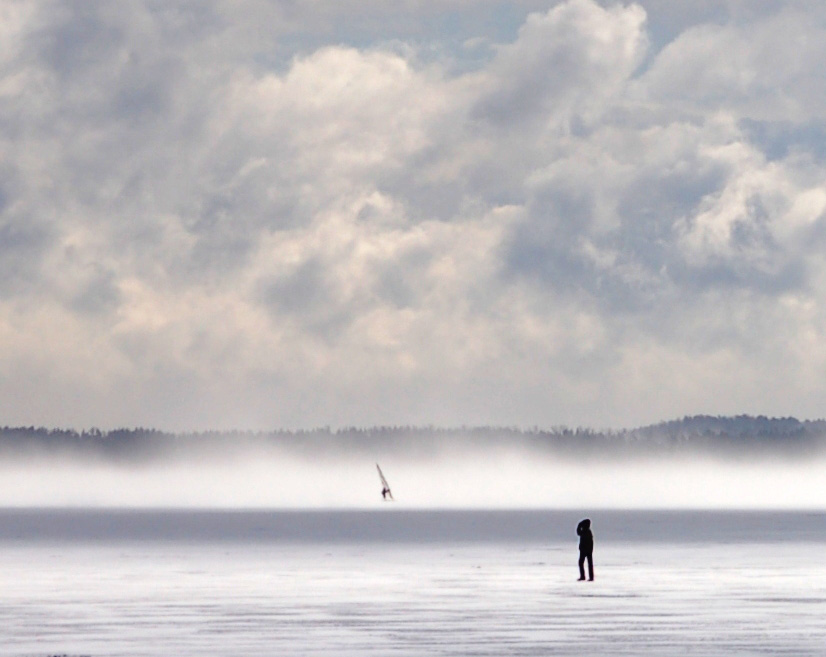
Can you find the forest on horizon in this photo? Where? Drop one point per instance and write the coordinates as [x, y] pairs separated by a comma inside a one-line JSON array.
[[740, 435]]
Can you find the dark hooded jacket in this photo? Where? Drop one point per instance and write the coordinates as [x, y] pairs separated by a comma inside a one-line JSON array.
[[586, 537]]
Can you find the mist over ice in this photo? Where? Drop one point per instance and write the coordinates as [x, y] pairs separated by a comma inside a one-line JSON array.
[[696, 462]]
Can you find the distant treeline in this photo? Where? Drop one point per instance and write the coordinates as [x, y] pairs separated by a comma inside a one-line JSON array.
[[742, 435]]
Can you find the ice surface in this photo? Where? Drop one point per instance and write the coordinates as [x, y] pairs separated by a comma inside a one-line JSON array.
[[118, 584]]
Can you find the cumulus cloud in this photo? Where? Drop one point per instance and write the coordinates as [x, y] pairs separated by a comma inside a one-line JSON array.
[[565, 65], [748, 67], [215, 215]]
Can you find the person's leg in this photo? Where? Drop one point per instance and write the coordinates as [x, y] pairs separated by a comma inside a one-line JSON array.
[[581, 565], [590, 566]]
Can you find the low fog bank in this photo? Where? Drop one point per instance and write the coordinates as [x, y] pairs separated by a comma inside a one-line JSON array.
[[496, 480], [676, 465]]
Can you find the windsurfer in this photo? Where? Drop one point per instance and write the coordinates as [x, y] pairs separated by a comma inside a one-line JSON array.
[[385, 487]]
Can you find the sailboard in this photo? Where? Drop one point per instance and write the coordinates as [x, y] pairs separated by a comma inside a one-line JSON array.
[[386, 495]]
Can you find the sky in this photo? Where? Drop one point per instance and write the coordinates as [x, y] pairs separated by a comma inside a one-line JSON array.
[[306, 213]]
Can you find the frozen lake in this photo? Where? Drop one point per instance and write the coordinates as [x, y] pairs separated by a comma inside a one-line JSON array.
[[106, 583]]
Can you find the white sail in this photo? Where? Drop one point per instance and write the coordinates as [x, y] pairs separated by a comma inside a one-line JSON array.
[[385, 491]]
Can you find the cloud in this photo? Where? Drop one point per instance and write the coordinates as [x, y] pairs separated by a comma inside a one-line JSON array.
[[608, 217], [565, 65], [764, 67]]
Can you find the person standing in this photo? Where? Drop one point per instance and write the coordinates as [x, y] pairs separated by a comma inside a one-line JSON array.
[[586, 549]]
